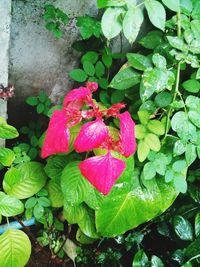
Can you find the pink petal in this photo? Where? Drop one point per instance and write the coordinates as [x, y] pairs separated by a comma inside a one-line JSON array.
[[102, 171], [76, 97], [57, 136], [92, 86], [91, 136], [127, 133]]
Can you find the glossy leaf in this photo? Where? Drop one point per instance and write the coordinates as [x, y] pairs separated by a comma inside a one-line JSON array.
[[10, 206], [125, 79], [111, 17], [55, 194], [183, 228], [15, 248], [7, 131], [174, 5], [132, 23], [126, 207], [25, 180], [154, 7], [74, 185], [7, 156], [138, 61]]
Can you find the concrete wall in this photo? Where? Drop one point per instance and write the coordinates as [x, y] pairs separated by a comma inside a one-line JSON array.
[[5, 12], [37, 59]]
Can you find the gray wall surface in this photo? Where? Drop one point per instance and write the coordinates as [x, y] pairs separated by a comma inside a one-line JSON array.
[[5, 15], [37, 60]]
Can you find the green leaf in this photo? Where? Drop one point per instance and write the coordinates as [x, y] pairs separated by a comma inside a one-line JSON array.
[[154, 7], [183, 228], [144, 116], [152, 141], [163, 99], [15, 248], [142, 151], [194, 117], [7, 156], [99, 69], [117, 96], [30, 203], [90, 56], [156, 262], [174, 5], [111, 17], [140, 259], [190, 153], [152, 39], [7, 131], [78, 75], [140, 131], [44, 202], [179, 148], [87, 224], [180, 183], [192, 86], [55, 166], [195, 47], [74, 214], [32, 100], [130, 205], [138, 61], [177, 43], [156, 127], [186, 6], [40, 108], [55, 194], [182, 126], [84, 239], [132, 23], [107, 59], [25, 180], [38, 211], [153, 80], [107, 3], [195, 27], [149, 171], [197, 224], [159, 61], [179, 165], [169, 176], [73, 184], [42, 96], [10, 206], [125, 79], [88, 68]]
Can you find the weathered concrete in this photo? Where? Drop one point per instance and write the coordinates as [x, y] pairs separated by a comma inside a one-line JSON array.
[[5, 15], [37, 60]]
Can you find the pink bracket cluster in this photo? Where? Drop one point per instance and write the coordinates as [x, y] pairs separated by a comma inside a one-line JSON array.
[[101, 171]]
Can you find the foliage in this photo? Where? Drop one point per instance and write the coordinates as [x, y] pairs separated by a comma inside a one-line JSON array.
[[159, 82]]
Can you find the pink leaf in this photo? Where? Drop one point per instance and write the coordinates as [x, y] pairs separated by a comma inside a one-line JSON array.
[[127, 133], [75, 98], [91, 136], [57, 136], [102, 171]]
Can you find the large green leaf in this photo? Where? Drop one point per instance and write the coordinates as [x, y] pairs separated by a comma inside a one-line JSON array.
[[7, 131], [24, 180], [129, 205], [111, 17], [132, 23], [7, 156], [10, 206], [55, 166], [55, 194], [156, 13], [172, 4], [107, 3], [125, 79], [153, 80], [73, 184], [15, 248]]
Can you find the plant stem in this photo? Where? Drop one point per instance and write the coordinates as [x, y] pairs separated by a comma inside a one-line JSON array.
[[176, 89]]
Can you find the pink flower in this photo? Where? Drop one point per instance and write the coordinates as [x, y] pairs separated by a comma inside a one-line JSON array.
[[127, 134], [102, 171], [91, 136], [57, 136]]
